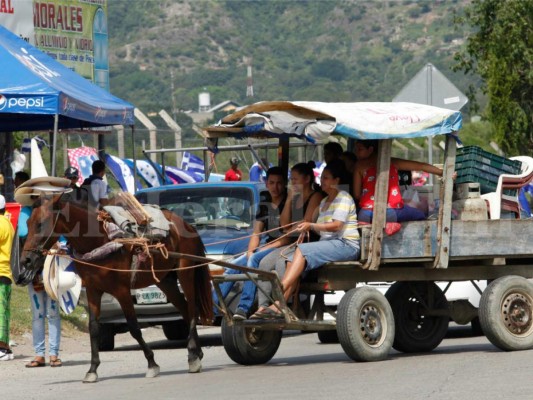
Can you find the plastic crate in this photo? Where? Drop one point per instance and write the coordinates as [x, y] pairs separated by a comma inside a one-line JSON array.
[[474, 164]]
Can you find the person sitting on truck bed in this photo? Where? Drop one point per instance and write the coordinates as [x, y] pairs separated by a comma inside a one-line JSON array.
[[339, 237], [364, 184], [267, 219], [302, 205]]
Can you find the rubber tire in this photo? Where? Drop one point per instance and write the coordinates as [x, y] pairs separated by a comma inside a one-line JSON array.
[[328, 337], [498, 297], [476, 327], [106, 337], [236, 341], [176, 330], [359, 305], [418, 334]]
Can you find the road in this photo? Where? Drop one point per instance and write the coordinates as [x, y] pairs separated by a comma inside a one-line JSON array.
[[462, 367]]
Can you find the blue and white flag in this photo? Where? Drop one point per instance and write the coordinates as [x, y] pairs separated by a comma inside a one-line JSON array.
[[146, 171], [193, 163], [122, 172], [180, 176], [26, 144]]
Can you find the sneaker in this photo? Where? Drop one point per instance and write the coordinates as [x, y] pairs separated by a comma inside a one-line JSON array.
[[240, 315], [6, 355]]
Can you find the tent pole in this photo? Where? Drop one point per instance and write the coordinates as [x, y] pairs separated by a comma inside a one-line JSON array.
[[54, 145], [134, 159]]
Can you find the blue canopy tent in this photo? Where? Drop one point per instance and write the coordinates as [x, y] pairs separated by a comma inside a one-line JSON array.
[[39, 93]]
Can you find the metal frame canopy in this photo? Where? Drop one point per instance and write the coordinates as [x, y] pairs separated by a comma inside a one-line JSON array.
[[316, 121], [39, 93]]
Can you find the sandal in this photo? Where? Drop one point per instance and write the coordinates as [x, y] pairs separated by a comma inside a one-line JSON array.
[[55, 362], [35, 363], [267, 313]]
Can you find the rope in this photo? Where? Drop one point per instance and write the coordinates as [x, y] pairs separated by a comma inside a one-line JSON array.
[[143, 242], [255, 234]]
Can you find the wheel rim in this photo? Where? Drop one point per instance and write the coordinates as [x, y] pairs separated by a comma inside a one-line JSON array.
[[416, 322], [257, 338], [371, 327], [516, 312]]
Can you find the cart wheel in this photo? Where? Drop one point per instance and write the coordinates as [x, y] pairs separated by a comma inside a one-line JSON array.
[[328, 336], [249, 346], [506, 313], [415, 331], [365, 324]]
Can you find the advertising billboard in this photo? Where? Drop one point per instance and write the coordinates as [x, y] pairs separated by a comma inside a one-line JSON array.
[[73, 32]]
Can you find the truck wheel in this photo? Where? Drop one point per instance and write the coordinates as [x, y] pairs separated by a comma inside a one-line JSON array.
[[248, 345], [416, 331], [365, 324], [176, 330], [106, 337], [506, 313]]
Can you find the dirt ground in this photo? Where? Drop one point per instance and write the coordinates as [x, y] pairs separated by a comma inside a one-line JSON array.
[[71, 342]]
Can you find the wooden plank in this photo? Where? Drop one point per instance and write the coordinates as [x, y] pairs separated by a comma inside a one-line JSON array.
[[380, 205], [345, 279], [445, 209], [468, 239]]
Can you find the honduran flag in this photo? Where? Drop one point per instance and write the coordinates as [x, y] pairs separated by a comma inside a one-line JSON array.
[[146, 171], [122, 172], [192, 163]]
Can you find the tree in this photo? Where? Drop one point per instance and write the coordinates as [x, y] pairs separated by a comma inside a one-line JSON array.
[[500, 50]]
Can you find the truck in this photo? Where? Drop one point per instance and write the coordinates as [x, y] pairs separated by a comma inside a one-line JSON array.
[[414, 313]]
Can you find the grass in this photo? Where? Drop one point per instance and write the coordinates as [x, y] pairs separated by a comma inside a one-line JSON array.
[[21, 317]]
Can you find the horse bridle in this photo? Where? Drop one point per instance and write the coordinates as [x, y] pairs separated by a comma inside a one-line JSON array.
[[42, 247]]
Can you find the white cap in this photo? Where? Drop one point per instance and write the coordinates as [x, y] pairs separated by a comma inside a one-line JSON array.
[[2, 202]]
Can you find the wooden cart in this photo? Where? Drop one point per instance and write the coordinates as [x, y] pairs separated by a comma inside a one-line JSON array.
[[413, 315]]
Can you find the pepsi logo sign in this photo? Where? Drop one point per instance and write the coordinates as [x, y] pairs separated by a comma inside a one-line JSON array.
[[21, 102]]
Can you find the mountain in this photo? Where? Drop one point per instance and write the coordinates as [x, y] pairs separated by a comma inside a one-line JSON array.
[[346, 50]]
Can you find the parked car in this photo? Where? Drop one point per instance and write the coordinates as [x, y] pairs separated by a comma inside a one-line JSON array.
[[223, 214]]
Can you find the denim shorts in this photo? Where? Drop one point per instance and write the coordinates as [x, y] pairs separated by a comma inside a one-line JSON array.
[[324, 251]]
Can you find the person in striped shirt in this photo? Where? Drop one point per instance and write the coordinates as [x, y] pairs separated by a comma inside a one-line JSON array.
[[337, 226]]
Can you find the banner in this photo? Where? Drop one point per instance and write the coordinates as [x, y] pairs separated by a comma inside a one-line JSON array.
[[73, 32], [82, 158]]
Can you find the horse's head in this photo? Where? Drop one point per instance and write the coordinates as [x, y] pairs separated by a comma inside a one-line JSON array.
[[41, 236]]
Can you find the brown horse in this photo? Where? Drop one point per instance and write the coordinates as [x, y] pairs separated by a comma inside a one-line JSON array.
[[53, 216]]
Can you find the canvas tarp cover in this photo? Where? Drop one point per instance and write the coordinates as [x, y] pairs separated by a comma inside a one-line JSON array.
[[34, 88], [316, 120]]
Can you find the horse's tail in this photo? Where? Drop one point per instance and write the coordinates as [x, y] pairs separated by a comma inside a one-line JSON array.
[[203, 293]]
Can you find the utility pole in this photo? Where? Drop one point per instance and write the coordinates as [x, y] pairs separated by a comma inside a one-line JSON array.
[[172, 95], [249, 81]]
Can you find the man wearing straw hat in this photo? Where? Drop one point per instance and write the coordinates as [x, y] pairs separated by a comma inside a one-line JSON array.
[[42, 305]]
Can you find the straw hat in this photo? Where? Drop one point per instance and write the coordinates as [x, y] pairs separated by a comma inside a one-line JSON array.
[[61, 281], [40, 182]]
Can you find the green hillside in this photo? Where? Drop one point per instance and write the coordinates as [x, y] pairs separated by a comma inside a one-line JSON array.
[[300, 50]]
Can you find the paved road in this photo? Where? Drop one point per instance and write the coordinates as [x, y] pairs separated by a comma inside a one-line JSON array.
[[461, 368]]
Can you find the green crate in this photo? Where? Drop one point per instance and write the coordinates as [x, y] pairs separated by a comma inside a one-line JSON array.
[[474, 164]]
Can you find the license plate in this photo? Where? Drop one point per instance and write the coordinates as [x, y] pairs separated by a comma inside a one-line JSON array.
[[150, 296]]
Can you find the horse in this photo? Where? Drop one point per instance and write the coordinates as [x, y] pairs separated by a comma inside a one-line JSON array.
[[55, 215]]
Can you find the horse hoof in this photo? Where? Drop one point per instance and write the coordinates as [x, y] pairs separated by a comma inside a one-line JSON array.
[[91, 377], [152, 372], [195, 366]]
